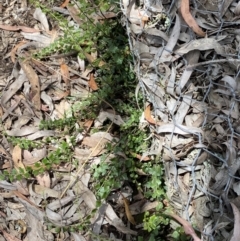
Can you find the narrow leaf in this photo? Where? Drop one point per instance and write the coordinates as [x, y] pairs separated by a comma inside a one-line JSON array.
[[236, 231], [35, 83], [92, 83], [17, 157], [147, 114], [188, 229], [127, 210], [91, 59], [65, 3], [14, 50], [65, 75], [146, 158], [191, 22], [16, 28]]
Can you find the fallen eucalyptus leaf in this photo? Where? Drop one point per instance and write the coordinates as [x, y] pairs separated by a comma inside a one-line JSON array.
[[114, 220], [41, 17], [236, 231], [187, 16]]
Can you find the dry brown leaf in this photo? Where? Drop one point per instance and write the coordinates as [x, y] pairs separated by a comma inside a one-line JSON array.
[[65, 74], [17, 157], [44, 179], [88, 124], [104, 15], [142, 206], [191, 22], [21, 196], [127, 210], [202, 158], [92, 83], [14, 50], [91, 59], [74, 12], [66, 78], [40, 65], [188, 229], [16, 28], [1, 112], [140, 157], [35, 84], [65, 3], [147, 115], [62, 95]]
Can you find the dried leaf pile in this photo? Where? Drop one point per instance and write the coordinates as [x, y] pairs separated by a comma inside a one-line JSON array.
[[186, 59]]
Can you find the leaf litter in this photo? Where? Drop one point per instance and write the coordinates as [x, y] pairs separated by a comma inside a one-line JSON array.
[[187, 64]]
